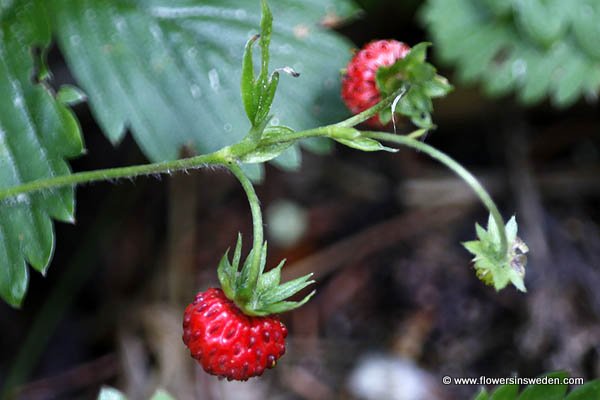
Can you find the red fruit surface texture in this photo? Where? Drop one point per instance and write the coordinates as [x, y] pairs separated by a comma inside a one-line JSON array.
[[228, 343], [359, 89]]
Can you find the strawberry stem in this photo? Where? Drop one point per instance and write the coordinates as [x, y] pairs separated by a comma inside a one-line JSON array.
[[458, 169], [247, 290]]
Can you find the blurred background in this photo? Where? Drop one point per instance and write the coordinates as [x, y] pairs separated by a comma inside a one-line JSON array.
[[398, 305]]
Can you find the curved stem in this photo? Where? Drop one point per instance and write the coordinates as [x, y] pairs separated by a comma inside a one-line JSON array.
[[218, 157], [458, 169], [257, 228]]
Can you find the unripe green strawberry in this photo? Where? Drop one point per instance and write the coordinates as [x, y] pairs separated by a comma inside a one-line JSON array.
[[228, 343], [359, 88]]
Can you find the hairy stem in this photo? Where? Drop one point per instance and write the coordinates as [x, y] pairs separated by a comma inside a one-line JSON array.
[[220, 157], [257, 227], [216, 158], [458, 169]]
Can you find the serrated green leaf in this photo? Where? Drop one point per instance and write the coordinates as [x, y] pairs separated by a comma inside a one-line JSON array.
[[546, 392], [587, 28], [589, 391], [170, 70], [505, 392], [37, 134], [543, 21], [570, 81], [109, 393], [538, 48]]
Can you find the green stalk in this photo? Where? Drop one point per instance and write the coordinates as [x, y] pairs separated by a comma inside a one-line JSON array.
[[216, 158], [458, 169], [247, 290], [220, 157]]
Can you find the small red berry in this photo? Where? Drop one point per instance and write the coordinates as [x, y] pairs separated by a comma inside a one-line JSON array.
[[359, 89], [228, 343]]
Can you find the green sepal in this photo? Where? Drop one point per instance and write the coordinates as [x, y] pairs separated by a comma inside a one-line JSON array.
[[265, 150], [365, 144], [493, 267], [265, 296], [421, 81], [285, 290], [284, 306], [237, 254], [226, 275], [266, 91], [257, 130], [248, 85], [271, 279], [353, 138], [266, 29], [244, 286], [258, 93]]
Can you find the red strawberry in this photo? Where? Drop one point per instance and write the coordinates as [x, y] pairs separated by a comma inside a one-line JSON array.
[[359, 89], [229, 343]]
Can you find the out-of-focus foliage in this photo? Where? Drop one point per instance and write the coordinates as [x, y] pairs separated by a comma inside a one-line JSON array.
[[537, 48], [170, 70]]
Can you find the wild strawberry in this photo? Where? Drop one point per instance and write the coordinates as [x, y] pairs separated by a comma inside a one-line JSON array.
[[232, 332], [359, 88], [229, 343]]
